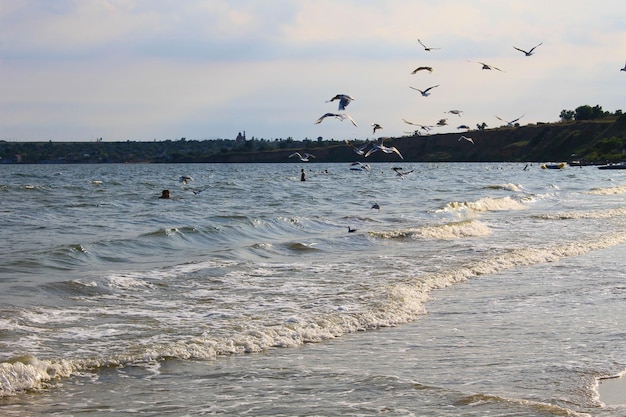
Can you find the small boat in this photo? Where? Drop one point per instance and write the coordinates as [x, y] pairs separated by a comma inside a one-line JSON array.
[[619, 165], [553, 166]]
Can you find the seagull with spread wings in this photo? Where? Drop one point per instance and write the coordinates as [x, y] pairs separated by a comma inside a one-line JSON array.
[[529, 52], [358, 150], [303, 158], [386, 149], [375, 127], [510, 123], [487, 66], [425, 93], [340, 116], [466, 139], [426, 128], [418, 69], [426, 48], [344, 100]]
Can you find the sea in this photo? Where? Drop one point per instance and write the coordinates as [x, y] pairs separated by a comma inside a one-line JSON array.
[[474, 289]]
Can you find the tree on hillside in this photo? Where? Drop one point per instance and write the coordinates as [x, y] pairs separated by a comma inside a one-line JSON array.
[[587, 112], [567, 115]]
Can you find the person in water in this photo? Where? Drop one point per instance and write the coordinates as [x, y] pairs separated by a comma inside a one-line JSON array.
[[302, 175], [165, 194]]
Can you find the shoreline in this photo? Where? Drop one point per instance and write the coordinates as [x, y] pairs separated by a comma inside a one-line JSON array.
[[612, 390]]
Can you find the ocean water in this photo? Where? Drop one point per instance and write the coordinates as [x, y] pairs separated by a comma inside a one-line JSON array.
[[476, 289]]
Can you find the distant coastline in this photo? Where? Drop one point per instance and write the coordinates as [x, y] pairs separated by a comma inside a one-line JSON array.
[[582, 142]]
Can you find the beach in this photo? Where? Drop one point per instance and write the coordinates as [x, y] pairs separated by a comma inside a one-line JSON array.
[[474, 289], [612, 391]]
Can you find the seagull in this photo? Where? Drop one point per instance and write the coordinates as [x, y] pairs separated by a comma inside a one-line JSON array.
[[442, 122], [359, 166], [184, 179], [528, 53], [426, 48], [487, 66], [376, 126], [344, 100], [360, 150], [425, 93], [512, 122], [426, 128], [376, 206], [465, 138], [340, 116], [386, 149], [462, 127], [418, 69], [351, 230], [400, 173], [457, 112], [623, 69], [303, 158]]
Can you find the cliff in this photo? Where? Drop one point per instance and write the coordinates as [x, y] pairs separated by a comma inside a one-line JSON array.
[[595, 141]]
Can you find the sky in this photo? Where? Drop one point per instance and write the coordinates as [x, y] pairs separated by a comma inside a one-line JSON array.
[[143, 70]]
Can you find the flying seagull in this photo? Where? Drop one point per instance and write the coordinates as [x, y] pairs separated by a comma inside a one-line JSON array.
[[462, 127], [340, 116], [386, 149], [530, 52], [184, 179], [359, 166], [360, 150], [623, 69], [400, 173], [344, 100], [457, 112], [442, 122], [418, 69], [376, 126], [426, 128], [303, 158], [465, 138], [512, 122], [488, 67], [425, 93], [426, 48]]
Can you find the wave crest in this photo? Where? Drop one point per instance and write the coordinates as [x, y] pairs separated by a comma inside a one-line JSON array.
[[486, 204]]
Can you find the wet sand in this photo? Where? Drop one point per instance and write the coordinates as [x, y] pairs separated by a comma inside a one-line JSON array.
[[612, 391]]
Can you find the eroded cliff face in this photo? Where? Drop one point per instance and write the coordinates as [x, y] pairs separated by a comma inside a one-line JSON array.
[[543, 142]]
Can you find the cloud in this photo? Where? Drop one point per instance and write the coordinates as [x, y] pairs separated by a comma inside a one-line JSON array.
[[207, 69]]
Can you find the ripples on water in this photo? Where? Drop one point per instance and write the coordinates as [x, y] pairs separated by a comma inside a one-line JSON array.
[[97, 272]]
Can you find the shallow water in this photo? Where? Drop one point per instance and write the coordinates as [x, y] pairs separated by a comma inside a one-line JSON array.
[[480, 289]]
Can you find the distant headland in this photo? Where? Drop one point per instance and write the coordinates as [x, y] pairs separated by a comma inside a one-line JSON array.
[[587, 140]]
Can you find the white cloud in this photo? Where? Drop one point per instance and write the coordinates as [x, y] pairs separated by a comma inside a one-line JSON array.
[[201, 69]]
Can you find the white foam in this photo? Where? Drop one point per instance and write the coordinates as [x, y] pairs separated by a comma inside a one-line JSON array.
[[594, 214], [486, 204], [508, 187], [28, 373], [608, 191], [447, 231]]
